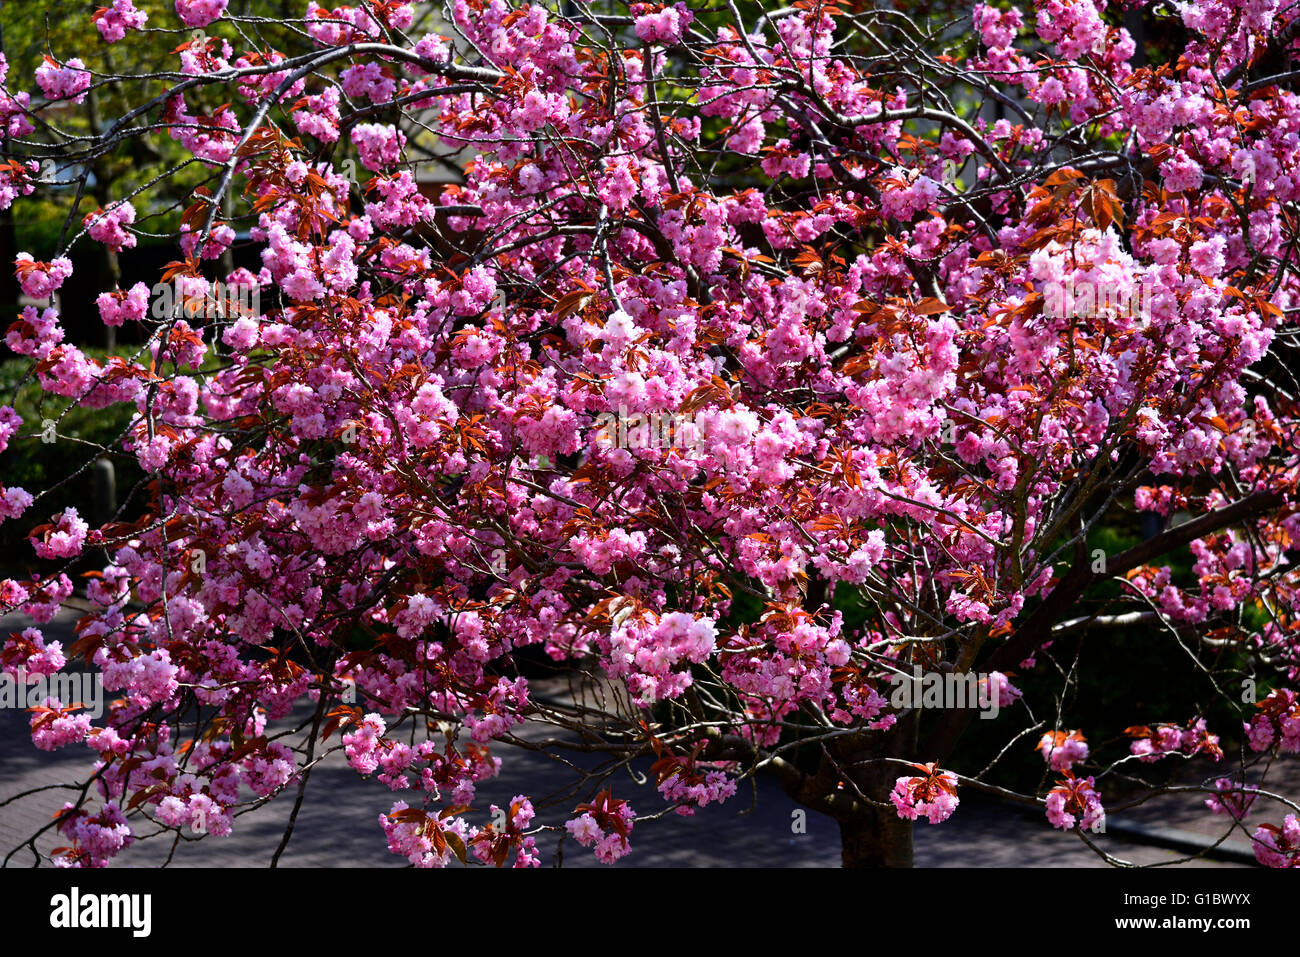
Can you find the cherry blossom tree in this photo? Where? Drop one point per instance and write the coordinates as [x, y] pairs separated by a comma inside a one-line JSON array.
[[733, 362]]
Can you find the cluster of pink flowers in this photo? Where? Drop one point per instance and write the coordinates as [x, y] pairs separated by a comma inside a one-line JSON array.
[[96, 838], [196, 812], [1062, 750], [653, 655], [113, 21], [493, 844], [28, 653], [933, 794], [40, 279], [906, 197], [1075, 800], [1008, 694], [689, 792], [997, 28], [1075, 27], [1231, 798], [10, 421], [15, 182], [1278, 846], [63, 81], [106, 226], [424, 840], [664, 25], [378, 145], [688, 782], [266, 774], [609, 845], [53, 726], [1277, 724], [64, 538], [148, 679], [14, 121], [211, 138], [319, 116], [1152, 744], [363, 745], [122, 305], [38, 334], [199, 13], [370, 81]]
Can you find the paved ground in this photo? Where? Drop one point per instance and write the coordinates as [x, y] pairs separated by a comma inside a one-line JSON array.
[[338, 825]]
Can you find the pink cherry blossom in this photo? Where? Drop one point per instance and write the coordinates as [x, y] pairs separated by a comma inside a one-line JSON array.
[[63, 81], [199, 13], [118, 18]]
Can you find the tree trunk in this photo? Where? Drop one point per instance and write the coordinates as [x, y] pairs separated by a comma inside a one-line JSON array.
[[876, 836], [879, 838]]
